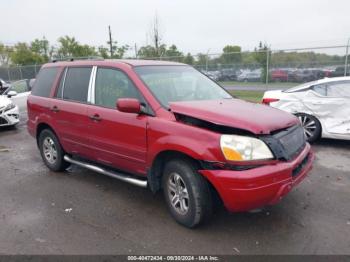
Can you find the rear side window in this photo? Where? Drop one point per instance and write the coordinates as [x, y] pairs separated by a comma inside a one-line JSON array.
[[44, 81], [76, 84], [339, 89]]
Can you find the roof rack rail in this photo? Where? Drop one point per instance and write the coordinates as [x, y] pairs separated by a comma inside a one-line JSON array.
[[72, 58]]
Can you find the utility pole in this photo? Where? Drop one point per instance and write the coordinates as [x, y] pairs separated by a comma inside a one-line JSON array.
[[267, 65], [135, 50], [110, 41], [206, 60], [346, 58]]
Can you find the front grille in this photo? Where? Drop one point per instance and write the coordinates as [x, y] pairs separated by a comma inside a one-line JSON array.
[[287, 143], [296, 171], [3, 121], [292, 140]]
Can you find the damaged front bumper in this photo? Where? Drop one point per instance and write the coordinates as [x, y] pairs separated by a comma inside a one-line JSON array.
[[9, 117], [265, 185]]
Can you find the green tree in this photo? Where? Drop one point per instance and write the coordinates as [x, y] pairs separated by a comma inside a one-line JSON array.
[[84, 51], [231, 54], [5, 53], [189, 59], [41, 47], [69, 47], [119, 51], [103, 52], [201, 59], [173, 54], [23, 55], [149, 51]]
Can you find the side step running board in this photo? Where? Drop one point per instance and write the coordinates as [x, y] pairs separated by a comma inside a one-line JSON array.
[[120, 176]]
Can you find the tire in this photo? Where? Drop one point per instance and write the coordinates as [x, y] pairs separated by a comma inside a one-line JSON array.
[[312, 127], [197, 207], [51, 151]]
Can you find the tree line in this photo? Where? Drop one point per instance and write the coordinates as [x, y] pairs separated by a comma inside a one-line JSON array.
[[40, 51]]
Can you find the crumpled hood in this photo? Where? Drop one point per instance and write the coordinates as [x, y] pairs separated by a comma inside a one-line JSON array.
[[236, 113], [4, 101]]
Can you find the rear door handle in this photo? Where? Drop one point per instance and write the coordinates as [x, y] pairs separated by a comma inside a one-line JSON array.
[[54, 109], [95, 117]]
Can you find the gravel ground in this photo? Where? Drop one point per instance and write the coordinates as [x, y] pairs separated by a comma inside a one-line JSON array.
[[81, 212]]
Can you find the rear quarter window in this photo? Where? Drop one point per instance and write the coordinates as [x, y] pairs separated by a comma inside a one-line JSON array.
[[44, 81]]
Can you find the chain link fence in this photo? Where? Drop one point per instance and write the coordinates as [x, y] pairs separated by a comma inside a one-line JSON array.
[[14, 73], [259, 67], [291, 66]]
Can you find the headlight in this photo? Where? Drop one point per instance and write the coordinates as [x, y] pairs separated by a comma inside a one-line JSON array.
[[244, 148], [9, 107]]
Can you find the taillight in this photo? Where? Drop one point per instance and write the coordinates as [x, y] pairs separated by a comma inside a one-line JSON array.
[[267, 101]]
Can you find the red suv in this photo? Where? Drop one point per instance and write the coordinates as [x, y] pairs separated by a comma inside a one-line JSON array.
[[166, 126]]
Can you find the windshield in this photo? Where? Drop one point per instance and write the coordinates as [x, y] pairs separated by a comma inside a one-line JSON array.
[[179, 83]]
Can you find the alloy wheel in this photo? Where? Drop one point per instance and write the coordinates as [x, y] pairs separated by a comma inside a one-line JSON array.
[[308, 124], [50, 150], [178, 193]]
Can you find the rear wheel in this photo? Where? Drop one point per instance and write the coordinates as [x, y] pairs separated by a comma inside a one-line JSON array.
[[51, 151], [311, 125], [187, 193]]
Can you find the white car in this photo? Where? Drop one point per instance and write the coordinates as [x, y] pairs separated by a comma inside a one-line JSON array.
[[323, 106], [249, 76], [20, 91], [9, 113], [3, 85]]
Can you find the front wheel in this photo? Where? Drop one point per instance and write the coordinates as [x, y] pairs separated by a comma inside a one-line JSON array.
[[187, 193], [311, 125]]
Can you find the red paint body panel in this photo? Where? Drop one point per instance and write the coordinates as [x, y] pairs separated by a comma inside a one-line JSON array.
[[118, 139], [254, 188], [131, 142], [256, 118], [71, 124], [169, 135]]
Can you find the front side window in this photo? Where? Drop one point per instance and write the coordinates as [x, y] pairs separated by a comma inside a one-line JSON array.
[[180, 83], [76, 84], [112, 84], [320, 89]]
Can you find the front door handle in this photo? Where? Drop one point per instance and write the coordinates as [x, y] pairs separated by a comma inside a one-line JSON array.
[[95, 117], [54, 109]]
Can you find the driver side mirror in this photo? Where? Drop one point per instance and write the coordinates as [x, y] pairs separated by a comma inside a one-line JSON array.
[[129, 105], [11, 94]]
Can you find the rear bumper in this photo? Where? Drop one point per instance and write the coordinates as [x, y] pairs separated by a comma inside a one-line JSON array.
[[31, 128], [265, 185]]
